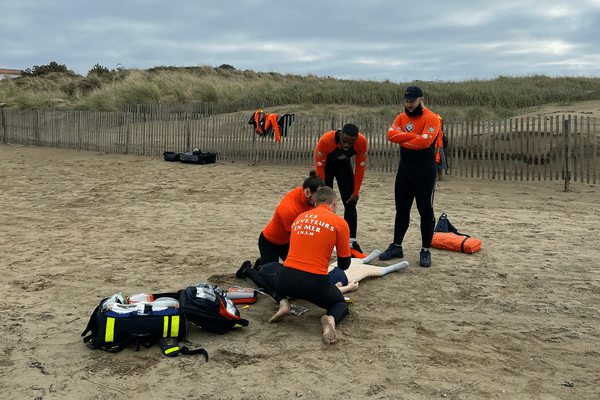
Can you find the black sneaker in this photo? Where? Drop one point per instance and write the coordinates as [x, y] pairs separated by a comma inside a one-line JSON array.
[[425, 258], [392, 251], [354, 245], [257, 264], [241, 273]]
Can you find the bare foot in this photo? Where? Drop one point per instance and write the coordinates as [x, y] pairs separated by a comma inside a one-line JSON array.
[[329, 334], [284, 311]]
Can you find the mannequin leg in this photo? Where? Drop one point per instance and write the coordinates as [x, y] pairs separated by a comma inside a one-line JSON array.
[[373, 256], [358, 271]]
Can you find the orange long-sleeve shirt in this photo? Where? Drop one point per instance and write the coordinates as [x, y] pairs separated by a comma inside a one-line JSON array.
[[314, 234], [329, 150], [291, 205], [271, 120], [415, 133]]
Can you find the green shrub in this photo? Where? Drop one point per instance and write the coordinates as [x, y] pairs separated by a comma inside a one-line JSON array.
[[99, 71], [39, 70], [138, 93]]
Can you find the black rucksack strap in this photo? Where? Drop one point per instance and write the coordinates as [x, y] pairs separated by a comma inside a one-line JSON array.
[[462, 244], [188, 352], [170, 348]]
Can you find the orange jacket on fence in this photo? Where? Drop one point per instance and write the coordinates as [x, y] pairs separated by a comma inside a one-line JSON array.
[[329, 148], [271, 120], [314, 234], [257, 116], [417, 133]]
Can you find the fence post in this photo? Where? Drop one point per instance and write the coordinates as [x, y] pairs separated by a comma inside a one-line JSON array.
[[79, 136], [3, 125], [254, 149], [188, 129], [126, 122], [567, 135]]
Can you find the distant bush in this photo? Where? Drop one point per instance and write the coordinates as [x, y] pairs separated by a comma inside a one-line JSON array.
[[44, 69], [107, 75], [99, 71]]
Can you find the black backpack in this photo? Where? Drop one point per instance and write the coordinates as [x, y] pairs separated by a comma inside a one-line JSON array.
[[112, 331], [197, 157], [209, 308]]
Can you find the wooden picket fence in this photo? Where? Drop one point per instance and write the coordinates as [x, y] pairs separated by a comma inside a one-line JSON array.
[[560, 147]]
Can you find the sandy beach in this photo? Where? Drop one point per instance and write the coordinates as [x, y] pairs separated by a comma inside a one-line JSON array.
[[517, 320]]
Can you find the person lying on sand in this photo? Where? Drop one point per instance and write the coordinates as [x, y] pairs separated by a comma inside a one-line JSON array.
[[345, 281], [359, 269]]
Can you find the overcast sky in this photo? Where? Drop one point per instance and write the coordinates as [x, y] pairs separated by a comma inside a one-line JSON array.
[[401, 41]]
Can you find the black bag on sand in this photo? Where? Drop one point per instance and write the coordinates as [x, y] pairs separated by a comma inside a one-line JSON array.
[[197, 157], [171, 156], [209, 308], [444, 225], [113, 331]]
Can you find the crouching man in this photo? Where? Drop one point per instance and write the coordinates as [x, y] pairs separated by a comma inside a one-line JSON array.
[[304, 272]]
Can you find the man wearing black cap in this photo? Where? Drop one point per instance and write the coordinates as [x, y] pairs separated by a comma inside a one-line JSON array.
[[416, 131], [332, 160]]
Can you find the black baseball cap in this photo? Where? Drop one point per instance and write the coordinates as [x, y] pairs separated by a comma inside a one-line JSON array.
[[350, 130], [413, 93]]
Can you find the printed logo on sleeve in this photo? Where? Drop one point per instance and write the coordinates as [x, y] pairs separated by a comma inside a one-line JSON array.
[[410, 127]]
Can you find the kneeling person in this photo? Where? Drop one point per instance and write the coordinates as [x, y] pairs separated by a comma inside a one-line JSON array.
[[304, 273], [273, 242]]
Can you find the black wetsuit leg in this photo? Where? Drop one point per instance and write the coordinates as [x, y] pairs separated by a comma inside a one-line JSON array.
[[271, 252], [415, 182], [344, 176]]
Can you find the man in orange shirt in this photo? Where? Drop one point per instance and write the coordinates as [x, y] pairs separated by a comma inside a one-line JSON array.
[[274, 240], [416, 131], [332, 159], [304, 273]]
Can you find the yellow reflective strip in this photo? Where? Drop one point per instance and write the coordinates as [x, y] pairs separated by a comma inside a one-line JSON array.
[[175, 326], [166, 326], [109, 335], [172, 349]]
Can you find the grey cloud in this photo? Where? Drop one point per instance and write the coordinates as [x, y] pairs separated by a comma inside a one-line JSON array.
[[375, 40]]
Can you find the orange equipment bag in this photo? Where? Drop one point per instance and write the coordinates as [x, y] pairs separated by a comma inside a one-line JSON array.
[[454, 242], [446, 237]]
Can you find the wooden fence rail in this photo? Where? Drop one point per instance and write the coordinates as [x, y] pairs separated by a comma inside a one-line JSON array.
[[561, 147]]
